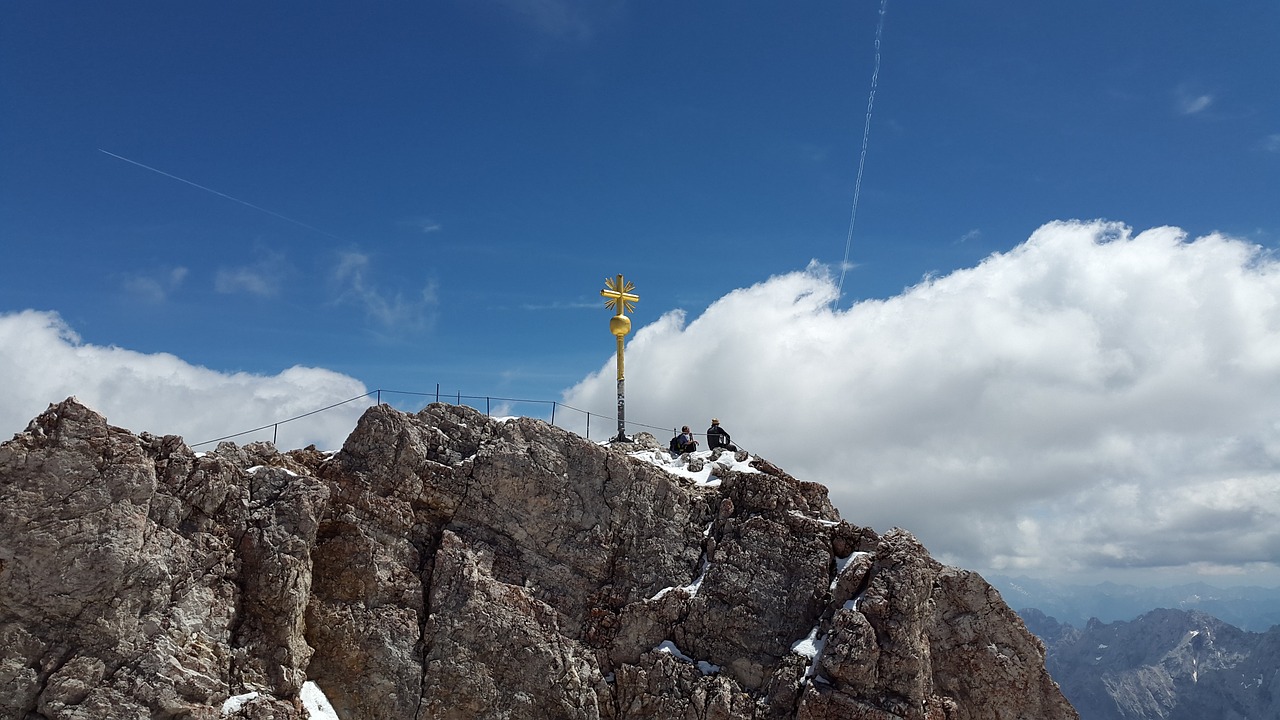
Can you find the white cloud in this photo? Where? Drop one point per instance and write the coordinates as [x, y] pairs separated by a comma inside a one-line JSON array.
[[1193, 105], [1191, 102], [1092, 399], [390, 311], [155, 287], [425, 225], [576, 20], [262, 278], [43, 361], [422, 224], [1271, 143], [562, 305], [245, 280]]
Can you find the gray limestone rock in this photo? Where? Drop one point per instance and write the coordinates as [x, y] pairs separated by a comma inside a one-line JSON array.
[[448, 565]]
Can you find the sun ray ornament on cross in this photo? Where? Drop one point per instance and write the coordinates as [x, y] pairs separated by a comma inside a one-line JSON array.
[[620, 299]]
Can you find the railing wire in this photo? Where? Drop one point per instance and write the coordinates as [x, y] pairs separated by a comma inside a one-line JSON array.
[[458, 397]]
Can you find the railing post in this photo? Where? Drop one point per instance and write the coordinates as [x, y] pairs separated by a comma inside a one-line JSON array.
[[488, 409]]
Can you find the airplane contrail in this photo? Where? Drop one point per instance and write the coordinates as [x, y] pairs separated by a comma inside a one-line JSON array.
[[221, 194], [862, 158]]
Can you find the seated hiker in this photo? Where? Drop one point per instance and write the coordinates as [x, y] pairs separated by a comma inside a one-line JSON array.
[[684, 442], [718, 438]]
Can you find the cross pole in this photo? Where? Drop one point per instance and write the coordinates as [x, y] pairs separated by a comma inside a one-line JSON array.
[[619, 298]]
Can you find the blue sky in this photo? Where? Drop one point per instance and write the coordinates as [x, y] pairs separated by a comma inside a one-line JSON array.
[[435, 192]]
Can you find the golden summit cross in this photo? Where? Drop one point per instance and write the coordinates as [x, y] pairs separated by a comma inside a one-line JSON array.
[[620, 299]]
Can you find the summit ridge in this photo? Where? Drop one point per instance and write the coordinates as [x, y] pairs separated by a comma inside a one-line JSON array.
[[445, 564]]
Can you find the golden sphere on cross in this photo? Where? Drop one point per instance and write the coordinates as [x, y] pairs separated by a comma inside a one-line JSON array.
[[619, 325]]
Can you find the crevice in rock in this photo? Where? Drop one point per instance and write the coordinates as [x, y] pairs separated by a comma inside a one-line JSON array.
[[43, 677], [426, 573], [239, 615]]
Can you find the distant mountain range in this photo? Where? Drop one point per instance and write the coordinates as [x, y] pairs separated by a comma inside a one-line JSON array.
[[1247, 608], [1163, 665], [1207, 653]]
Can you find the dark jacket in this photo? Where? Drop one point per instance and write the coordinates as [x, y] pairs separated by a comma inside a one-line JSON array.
[[717, 438], [684, 443]]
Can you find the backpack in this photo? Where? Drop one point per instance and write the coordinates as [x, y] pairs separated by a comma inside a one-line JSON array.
[[676, 446]]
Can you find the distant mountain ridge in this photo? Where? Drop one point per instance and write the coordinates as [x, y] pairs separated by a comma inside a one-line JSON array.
[[1249, 608], [1164, 665]]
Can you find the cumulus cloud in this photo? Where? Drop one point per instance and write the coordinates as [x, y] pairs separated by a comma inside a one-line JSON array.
[[43, 361], [1092, 399]]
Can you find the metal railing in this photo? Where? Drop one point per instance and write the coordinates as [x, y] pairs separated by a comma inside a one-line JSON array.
[[458, 399]]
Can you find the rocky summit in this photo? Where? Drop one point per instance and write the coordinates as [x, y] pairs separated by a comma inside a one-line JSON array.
[[449, 565]]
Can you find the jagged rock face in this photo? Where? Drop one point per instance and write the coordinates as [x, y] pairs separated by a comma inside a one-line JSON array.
[[1166, 665], [137, 580], [445, 565]]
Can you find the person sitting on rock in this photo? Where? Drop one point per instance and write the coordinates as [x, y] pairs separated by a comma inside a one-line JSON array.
[[718, 438], [684, 442]]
